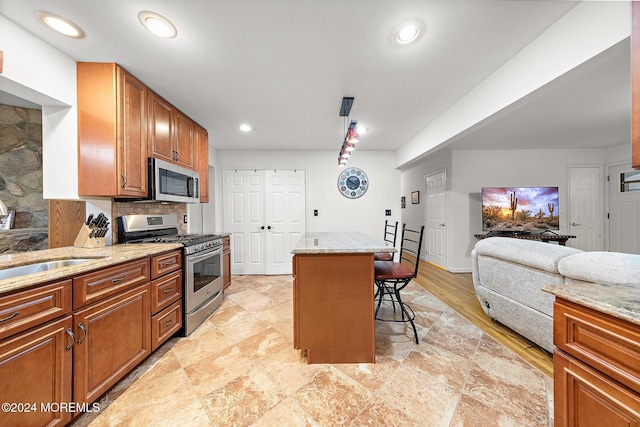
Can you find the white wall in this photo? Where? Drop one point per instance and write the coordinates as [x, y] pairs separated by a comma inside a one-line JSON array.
[[587, 30], [470, 170], [336, 213], [35, 71]]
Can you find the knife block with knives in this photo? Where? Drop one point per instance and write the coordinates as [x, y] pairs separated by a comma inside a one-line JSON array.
[[93, 232]]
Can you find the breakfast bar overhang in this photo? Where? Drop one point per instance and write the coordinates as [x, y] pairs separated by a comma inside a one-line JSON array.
[[333, 296]]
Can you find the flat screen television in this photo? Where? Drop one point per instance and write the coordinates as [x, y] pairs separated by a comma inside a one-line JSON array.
[[521, 210]]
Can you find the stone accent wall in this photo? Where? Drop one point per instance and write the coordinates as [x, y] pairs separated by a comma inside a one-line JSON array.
[[21, 179]]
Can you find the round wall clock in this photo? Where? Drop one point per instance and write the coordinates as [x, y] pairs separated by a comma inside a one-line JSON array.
[[353, 183]]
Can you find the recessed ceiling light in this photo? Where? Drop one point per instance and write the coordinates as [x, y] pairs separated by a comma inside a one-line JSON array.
[[407, 34], [245, 128], [61, 25], [157, 24]]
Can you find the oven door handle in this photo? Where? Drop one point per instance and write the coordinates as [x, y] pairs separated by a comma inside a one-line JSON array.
[[193, 258]]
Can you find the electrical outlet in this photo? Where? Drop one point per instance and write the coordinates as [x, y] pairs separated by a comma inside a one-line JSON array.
[[315, 212], [387, 212], [185, 219]]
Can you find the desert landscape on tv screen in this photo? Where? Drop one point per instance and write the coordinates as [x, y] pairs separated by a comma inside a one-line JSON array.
[[515, 209]]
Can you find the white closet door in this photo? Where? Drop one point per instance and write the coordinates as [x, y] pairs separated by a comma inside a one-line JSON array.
[[245, 220], [265, 214], [285, 217]]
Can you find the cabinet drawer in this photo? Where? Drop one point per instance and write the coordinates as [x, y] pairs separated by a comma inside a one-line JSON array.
[[608, 344], [166, 290], [25, 309], [165, 263], [165, 324], [94, 286]]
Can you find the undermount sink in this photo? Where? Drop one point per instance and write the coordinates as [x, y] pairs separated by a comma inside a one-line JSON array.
[[40, 266]]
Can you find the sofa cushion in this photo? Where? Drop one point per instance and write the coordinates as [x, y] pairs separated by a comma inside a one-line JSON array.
[[544, 256], [601, 267], [518, 282]]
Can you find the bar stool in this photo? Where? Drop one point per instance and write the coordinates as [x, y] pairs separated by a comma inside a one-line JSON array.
[[391, 277], [390, 232]]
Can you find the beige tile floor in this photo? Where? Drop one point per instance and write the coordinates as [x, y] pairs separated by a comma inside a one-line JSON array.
[[239, 369]]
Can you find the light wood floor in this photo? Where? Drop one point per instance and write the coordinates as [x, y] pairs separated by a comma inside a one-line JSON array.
[[456, 290]]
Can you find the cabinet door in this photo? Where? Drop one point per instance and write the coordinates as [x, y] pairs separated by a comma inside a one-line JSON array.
[[226, 262], [132, 135], [184, 141], [35, 369], [202, 162], [160, 120], [584, 397], [112, 337]]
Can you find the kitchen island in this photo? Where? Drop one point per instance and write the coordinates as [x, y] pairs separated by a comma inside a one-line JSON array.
[[333, 307]]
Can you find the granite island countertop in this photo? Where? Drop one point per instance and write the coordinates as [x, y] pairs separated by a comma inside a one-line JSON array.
[[340, 242], [101, 258], [617, 300]]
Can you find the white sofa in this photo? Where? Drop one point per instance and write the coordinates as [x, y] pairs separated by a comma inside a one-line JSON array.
[[508, 275]]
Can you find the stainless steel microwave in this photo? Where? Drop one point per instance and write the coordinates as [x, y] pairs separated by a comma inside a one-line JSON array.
[[172, 183]]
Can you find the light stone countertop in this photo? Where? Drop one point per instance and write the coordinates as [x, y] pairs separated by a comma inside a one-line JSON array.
[[340, 242], [104, 257], [618, 300]]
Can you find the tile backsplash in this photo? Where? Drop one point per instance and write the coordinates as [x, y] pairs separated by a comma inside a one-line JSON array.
[[131, 208]]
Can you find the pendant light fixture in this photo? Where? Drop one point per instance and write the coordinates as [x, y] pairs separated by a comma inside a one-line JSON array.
[[351, 134]]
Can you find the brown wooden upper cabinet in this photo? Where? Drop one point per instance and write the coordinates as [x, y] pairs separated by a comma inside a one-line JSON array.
[[171, 133], [112, 131], [202, 142], [635, 84], [121, 123]]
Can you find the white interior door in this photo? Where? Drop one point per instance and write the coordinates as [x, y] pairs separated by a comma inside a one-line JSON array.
[[265, 214], [435, 224], [624, 214], [585, 207], [245, 220], [285, 217]]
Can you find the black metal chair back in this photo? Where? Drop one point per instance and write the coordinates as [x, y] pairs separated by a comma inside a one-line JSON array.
[[410, 247], [390, 232]]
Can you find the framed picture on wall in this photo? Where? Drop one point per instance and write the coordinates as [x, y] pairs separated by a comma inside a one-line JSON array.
[[415, 197], [403, 202]]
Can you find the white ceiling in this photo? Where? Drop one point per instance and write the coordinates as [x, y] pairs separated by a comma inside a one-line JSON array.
[[283, 66]]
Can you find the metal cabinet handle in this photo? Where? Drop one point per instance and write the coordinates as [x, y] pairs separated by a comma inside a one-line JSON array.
[[262, 228], [441, 225], [168, 263], [14, 314], [573, 224], [169, 323], [73, 339], [121, 279], [84, 331], [269, 228], [166, 291], [124, 180]]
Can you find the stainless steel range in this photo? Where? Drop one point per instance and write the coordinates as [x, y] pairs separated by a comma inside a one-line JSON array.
[[202, 262]]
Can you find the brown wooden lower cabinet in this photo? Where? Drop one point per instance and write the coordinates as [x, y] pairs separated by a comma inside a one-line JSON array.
[[114, 336], [587, 398], [35, 374], [226, 262], [333, 307], [54, 354], [596, 367]]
